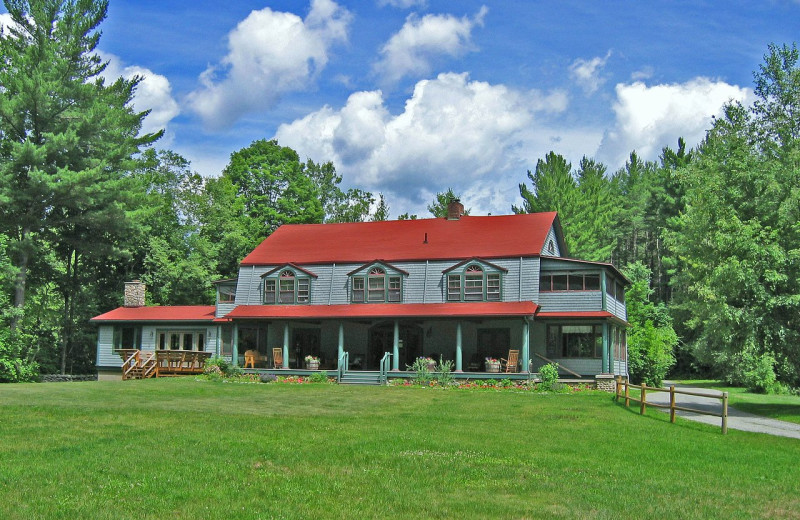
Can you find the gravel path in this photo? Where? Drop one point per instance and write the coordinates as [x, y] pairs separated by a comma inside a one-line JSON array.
[[737, 420]]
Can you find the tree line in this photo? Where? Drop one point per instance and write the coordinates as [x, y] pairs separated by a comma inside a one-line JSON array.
[[709, 237]]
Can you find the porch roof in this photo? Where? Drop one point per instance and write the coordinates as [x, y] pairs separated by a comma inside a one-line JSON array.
[[159, 313], [387, 310], [580, 314]]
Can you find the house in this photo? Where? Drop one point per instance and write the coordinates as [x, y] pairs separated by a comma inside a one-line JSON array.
[[463, 288]]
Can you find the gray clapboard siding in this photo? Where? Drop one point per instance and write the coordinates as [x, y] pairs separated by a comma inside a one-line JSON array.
[[551, 235], [106, 357], [223, 309], [585, 367], [575, 301]]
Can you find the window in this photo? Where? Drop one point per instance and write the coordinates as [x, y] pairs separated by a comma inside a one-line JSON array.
[[181, 340], [475, 284], [227, 294], [569, 282], [127, 337], [454, 287], [551, 248], [376, 285], [575, 341], [358, 289], [288, 288], [379, 287]]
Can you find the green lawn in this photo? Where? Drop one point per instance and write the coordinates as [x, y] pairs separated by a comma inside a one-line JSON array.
[[784, 407], [179, 448]]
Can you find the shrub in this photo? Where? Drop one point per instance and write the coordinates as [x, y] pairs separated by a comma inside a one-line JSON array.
[[445, 374], [422, 374], [319, 377], [217, 367], [268, 378], [549, 376]]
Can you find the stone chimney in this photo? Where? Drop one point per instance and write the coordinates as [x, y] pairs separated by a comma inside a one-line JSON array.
[[454, 209], [134, 294]]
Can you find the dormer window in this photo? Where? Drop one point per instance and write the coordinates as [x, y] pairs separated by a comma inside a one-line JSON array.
[[378, 285], [287, 286], [475, 283]]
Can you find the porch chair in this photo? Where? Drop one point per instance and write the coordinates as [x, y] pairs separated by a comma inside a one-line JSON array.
[[277, 358], [250, 357], [510, 364]]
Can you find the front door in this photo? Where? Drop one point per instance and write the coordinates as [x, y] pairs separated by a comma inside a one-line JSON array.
[[381, 340], [305, 342]]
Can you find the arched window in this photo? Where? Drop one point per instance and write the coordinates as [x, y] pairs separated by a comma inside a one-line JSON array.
[[288, 287], [473, 284], [380, 287]]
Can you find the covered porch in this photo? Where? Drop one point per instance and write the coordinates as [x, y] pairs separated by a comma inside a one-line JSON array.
[[464, 333]]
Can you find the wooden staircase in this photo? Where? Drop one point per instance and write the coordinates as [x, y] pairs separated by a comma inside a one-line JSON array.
[[140, 365]]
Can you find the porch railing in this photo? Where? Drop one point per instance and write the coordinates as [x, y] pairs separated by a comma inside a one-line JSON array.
[[344, 363], [385, 367]]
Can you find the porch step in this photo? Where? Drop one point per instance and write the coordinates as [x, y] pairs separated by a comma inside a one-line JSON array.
[[361, 378]]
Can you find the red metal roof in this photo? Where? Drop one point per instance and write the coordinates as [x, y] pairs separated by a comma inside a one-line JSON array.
[[580, 314], [387, 310], [160, 313], [397, 240]]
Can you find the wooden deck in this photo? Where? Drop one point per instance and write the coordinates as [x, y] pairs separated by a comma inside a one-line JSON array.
[[143, 364]]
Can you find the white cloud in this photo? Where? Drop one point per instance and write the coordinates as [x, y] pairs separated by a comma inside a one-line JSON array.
[[403, 4], [452, 133], [645, 72], [587, 73], [153, 93], [270, 53], [649, 118], [411, 50]]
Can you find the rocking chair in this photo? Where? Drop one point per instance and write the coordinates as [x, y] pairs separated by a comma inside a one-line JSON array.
[[510, 365], [277, 358]]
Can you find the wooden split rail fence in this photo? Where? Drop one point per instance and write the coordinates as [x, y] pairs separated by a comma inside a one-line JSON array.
[[672, 406]]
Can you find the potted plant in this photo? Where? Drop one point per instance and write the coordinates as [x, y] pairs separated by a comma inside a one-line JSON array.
[[431, 363], [492, 365], [312, 362]]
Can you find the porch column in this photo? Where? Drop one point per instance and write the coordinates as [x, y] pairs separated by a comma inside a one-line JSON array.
[[286, 345], [216, 346], [459, 359], [526, 345], [605, 347], [341, 342], [235, 346], [396, 347]]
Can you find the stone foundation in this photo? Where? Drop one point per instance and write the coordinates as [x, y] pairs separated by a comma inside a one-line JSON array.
[[64, 378], [606, 382]]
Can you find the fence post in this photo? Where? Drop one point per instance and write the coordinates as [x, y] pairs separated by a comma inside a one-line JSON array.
[[619, 382], [643, 408], [672, 403], [627, 394], [724, 413]]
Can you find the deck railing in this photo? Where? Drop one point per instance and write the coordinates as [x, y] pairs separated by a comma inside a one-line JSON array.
[[385, 367], [643, 403], [344, 363]]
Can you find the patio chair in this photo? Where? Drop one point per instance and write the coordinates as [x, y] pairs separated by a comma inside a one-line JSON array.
[[277, 358], [510, 364], [250, 358]]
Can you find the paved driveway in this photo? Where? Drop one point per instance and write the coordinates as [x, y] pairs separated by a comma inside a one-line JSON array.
[[737, 420]]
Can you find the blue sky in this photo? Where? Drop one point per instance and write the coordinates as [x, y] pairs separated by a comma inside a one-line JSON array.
[[411, 97]]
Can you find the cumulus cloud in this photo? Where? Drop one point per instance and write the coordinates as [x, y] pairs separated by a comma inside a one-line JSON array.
[[649, 118], [413, 48], [270, 53], [453, 132], [153, 93], [588, 73]]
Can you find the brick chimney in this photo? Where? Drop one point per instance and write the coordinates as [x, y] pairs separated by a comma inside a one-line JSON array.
[[134, 294], [454, 209]]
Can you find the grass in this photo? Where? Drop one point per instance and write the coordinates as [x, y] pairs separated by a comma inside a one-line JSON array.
[[187, 449], [783, 407]]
